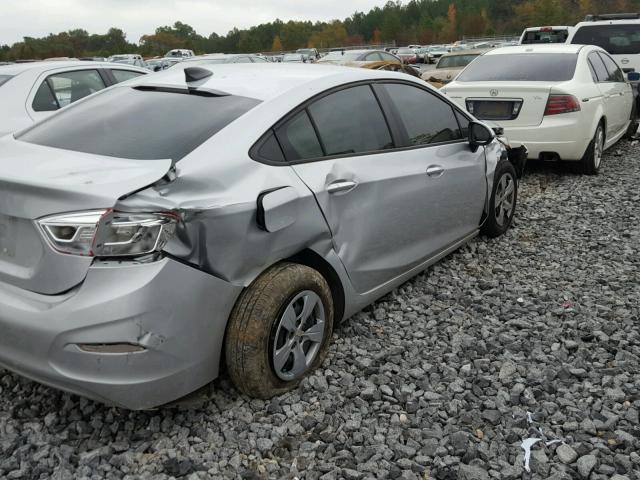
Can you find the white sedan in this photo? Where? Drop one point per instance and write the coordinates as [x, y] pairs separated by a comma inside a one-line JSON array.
[[30, 92], [564, 102]]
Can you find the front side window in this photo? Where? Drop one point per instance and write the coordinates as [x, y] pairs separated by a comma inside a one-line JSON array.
[[373, 57], [614, 72], [62, 89], [387, 57], [350, 121], [140, 123], [124, 75], [427, 119]]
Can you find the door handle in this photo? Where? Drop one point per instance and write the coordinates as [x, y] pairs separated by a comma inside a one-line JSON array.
[[341, 186], [435, 171]]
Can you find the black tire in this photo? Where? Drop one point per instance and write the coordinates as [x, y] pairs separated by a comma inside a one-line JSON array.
[[497, 220], [632, 130], [590, 162], [251, 331]]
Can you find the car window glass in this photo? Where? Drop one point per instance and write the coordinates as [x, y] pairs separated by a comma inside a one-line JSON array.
[[5, 78], [69, 87], [299, 139], [617, 39], [124, 75], [373, 57], [259, 60], [615, 74], [596, 62], [139, 123], [594, 75], [387, 57], [464, 124], [426, 118], [44, 101], [242, 60], [534, 67], [270, 149], [350, 121]]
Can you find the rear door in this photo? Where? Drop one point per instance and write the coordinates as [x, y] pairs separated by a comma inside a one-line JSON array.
[[622, 99], [54, 91], [610, 91], [383, 202]]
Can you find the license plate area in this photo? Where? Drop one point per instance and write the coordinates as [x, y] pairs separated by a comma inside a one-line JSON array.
[[8, 229], [486, 109]]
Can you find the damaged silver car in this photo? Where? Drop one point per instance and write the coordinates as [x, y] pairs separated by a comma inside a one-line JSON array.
[[229, 215]]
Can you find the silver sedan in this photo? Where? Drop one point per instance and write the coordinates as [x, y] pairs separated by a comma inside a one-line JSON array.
[[228, 212]]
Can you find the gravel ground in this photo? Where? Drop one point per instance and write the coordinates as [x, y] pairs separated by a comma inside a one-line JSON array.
[[535, 335]]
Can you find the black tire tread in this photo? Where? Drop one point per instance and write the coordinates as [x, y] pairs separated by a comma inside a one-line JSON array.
[[490, 227]]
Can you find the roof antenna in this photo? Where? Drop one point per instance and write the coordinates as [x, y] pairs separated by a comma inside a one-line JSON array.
[[194, 74]]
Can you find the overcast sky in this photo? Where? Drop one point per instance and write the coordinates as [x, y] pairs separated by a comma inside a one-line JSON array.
[[36, 18]]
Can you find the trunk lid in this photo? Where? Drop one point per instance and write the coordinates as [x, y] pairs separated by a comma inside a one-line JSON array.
[[513, 104], [36, 182]]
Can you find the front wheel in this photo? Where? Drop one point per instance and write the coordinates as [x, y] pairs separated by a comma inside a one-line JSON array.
[[279, 330], [502, 204]]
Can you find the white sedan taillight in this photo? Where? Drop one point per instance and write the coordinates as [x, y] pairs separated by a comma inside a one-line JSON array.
[[105, 233]]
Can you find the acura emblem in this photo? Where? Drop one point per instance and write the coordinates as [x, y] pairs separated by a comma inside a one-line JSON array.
[[493, 93]]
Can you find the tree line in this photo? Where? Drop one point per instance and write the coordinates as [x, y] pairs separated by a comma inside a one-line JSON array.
[[416, 21]]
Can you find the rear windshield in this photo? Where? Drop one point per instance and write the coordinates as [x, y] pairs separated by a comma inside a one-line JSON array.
[[533, 67], [456, 61], [545, 36], [615, 39], [139, 124], [5, 78]]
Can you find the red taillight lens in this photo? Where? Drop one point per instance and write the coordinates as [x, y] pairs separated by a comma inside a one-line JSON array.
[[558, 104], [546, 29]]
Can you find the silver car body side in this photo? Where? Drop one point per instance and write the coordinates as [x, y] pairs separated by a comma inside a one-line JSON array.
[[175, 309]]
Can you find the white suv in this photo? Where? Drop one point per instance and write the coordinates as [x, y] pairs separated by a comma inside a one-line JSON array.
[[618, 34]]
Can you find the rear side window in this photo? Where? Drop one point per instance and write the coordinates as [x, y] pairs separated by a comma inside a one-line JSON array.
[[299, 139], [545, 36], [598, 67], [373, 57], [532, 67], [614, 72], [124, 75], [427, 119], [4, 79], [66, 88], [616, 39], [350, 121], [140, 124]]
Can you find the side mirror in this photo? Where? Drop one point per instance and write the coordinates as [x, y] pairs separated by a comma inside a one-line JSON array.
[[479, 135], [633, 77]]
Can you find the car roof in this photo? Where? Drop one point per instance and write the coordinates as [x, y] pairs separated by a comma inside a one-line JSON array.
[[537, 48], [18, 68], [621, 21], [263, 81]]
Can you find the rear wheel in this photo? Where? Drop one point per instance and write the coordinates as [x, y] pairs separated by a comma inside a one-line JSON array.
[[502, 204], [279, 331], [592, 158]]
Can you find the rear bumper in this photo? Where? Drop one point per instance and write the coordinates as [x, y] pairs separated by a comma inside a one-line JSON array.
[[563, 135], [175, 315]]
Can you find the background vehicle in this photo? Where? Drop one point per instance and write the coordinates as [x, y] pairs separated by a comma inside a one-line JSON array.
[[180, 52], [407, 55], [294, 58], [358, 58], [450, 65], [220, 58], [32, 91], [158, 64], [618, 34], [129, 59], [564, 102], [545, 35], [257, 229], [310, 53], [435, 52]]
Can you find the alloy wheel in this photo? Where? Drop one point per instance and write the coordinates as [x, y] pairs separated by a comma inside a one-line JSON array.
[[598, 148], [504, 199], [299, 334]]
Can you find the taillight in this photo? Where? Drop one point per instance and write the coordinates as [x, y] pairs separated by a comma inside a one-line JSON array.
[[561, 104], [105, 233]]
